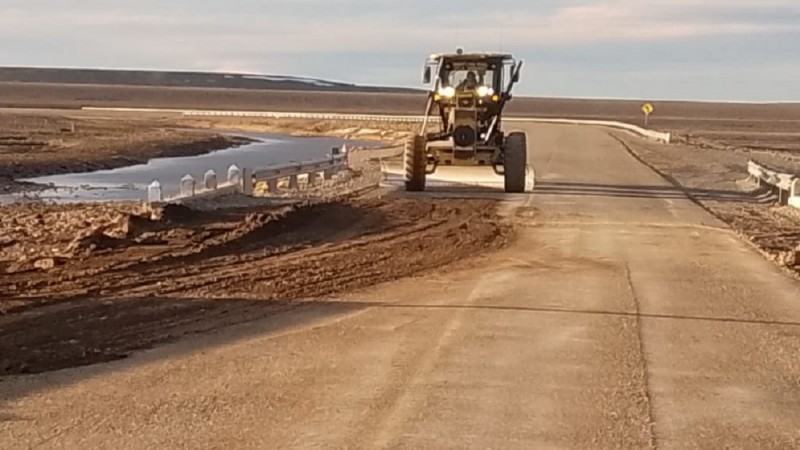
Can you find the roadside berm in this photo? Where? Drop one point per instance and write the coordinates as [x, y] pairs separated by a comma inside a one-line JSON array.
[[91, 283]]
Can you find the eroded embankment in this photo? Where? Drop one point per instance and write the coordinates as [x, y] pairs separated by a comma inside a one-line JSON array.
[[134, 280]]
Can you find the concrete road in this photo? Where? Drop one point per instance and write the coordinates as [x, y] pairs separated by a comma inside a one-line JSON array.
[[624, 316]]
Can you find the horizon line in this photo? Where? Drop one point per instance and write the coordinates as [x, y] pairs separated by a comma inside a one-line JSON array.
[[419, 88]]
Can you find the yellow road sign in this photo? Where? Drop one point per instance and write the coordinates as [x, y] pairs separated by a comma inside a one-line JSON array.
[[647, 109]]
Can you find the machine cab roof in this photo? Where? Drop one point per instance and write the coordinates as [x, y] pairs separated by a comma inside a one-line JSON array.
[[497, 68]]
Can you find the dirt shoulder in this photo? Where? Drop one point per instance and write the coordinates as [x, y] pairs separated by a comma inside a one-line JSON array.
[[716, 177], [37, 145], [125, 280], [86, 283], [389, 133]]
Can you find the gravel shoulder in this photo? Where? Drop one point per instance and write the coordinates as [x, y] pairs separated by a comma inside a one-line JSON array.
[[714, 174]]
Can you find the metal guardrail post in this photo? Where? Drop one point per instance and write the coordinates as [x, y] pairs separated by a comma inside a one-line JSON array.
[[247, 181], [312, 178]]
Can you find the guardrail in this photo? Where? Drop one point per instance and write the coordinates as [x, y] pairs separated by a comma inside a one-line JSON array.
[[244, 180], [649, 134], [785, 185], [329, 167]]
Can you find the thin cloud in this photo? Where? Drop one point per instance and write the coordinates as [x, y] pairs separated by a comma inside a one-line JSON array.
[[374, 41], [360, 25]]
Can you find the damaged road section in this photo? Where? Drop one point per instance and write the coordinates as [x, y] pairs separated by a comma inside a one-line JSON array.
[[135, 279]]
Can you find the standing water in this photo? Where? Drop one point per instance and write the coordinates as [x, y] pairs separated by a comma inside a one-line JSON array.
[[130, 183]]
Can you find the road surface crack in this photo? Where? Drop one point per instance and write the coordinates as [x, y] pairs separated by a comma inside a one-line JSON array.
[[643, 358]]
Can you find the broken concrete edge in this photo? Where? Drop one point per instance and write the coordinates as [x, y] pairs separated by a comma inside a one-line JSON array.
[[787, 185]]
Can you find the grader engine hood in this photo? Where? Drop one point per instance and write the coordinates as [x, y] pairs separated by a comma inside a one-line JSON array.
[[465, 130]]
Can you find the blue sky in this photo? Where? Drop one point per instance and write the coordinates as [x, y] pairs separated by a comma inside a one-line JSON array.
[[747, 50]]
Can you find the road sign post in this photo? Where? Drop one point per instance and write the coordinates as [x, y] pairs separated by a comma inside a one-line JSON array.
[[647, 109]]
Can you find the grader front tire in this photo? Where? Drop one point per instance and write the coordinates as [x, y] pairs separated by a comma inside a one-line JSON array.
[[415, 163], [515, 162]]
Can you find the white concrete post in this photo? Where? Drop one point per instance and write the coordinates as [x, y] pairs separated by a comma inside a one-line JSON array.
[[247, 181], [384, 169], [210, 180], [187, 185], [234, 174], [530, 178], [797, 253], [774, 182], [154, 192]]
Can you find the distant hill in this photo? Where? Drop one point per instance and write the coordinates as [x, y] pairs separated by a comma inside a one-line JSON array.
[[183, 79]]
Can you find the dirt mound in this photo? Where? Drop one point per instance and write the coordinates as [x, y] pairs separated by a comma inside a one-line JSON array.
[[33, 232], [93, 240], [191, 271], [175, 213]]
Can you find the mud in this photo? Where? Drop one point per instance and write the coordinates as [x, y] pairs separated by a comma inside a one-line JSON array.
[[119, 279]]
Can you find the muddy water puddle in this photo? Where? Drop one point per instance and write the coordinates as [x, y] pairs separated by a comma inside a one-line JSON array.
[[130, 183]]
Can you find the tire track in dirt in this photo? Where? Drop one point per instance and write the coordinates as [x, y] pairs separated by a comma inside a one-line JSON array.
[[190, 271]]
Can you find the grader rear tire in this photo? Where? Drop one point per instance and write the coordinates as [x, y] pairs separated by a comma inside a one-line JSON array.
[[515, 162], [415, 162]]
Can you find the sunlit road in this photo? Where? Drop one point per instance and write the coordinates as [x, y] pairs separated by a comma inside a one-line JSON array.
[[622, 316]]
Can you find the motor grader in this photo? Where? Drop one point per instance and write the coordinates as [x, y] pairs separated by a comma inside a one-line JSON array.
[[468, 92]]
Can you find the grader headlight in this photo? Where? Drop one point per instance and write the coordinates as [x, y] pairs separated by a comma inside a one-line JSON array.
[[447, 92], [485, 91]]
